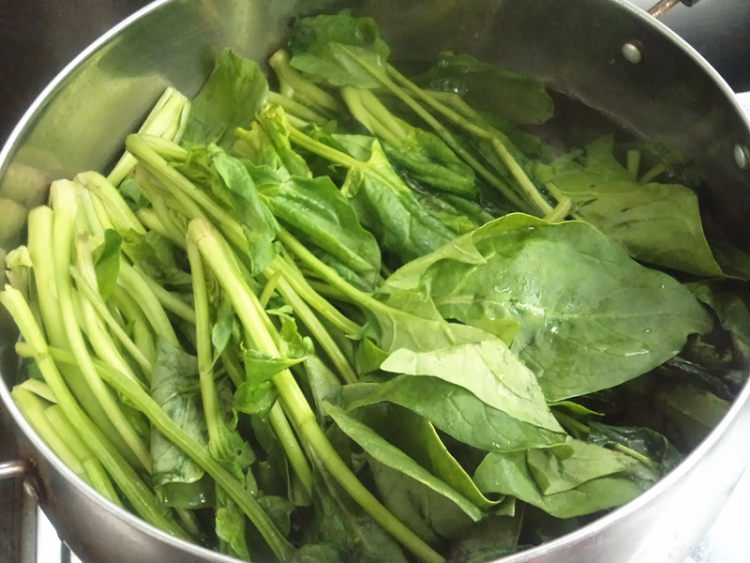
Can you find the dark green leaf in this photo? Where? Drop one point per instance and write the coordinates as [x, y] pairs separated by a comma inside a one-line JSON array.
[[233, 94], [590, 317], [368, 357], [175, 388], [320, 46], [255, 398], [387, 207], [487, 369], [324, 384], [342, 523], [230, 524], [459, 413], [658, 223], [492, 538], [317, 212], [280, 511], [159, 259], [411, 321], [732, 312], [589, 480], [645, 441], [430, 515], [417, 437], [491, 88], [389, 455], [258, 221]]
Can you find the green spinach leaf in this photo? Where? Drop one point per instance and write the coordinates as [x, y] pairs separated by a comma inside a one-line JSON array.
[[589, 316], [458, 413], [658, 223], [490, 88], [235, 91]]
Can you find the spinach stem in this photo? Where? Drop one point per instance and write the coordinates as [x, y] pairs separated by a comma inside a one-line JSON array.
[[292, 449], [293, 108], [153, 222], [178, 185], [527, 186], [143, 337], [320, 333], [64, 212], [134, 284], [117, 209], [169, 300], [249, 310], [368, 110], [329, 153], [33, 408], [560, 212], [294, 85], [328, 274], [209, 396], [300, 285], [633, 163], [439, 128], [96, 474], [208, 388], [127, 480], [571, 423], [653, 173], [197, 452], [94, 298]]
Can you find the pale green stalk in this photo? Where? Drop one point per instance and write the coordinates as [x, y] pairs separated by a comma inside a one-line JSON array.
[[95, 300], [32, 408], [143, 337], [168, 119], [196, 451], [135, 285], [127, 480], [97, 476], [40, 245], [250, 312], [64, 211], [208, 389]]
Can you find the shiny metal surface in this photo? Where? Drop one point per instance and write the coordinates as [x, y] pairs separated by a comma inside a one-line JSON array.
[[11, 469], [673, 96], [662, 7]]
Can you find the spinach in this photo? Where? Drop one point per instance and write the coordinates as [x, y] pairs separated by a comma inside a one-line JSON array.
[[490, 88], [459, 413], [423, 155], [384, 203], [596, 320], [514, 377], [577, 479], [390, 456], [658, 223], [487, 369], [174, 387], [232, 95], [426, 447]]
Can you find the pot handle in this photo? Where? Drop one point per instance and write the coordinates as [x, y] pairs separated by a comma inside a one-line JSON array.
[[18, 468], [12, 469], [663, 6]]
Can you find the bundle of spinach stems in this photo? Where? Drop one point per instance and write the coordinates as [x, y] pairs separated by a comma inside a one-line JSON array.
[[370, 317]]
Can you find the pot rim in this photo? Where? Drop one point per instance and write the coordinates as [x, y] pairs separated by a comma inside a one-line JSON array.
[[586, 532]]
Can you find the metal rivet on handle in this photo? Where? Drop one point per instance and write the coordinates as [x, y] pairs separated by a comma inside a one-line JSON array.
[[742, 156], [632, 51]]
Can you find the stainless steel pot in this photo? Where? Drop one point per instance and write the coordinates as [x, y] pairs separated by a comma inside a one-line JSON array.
[[606, 53]]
